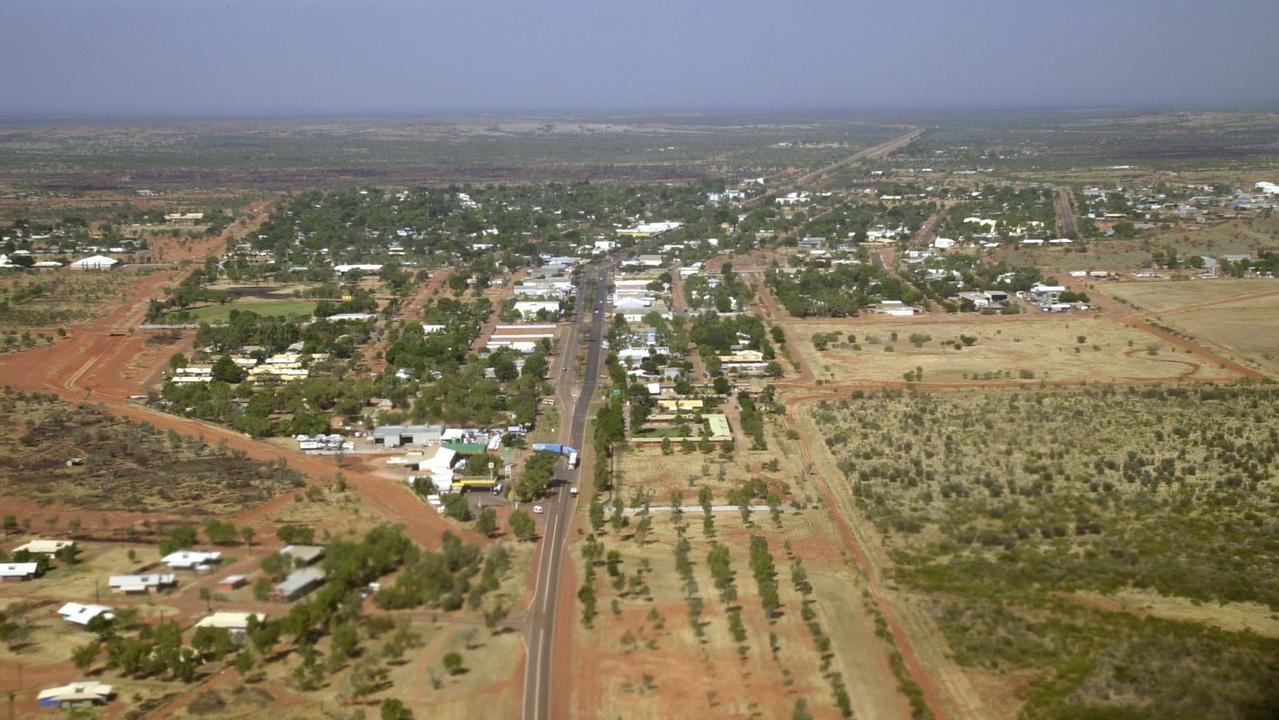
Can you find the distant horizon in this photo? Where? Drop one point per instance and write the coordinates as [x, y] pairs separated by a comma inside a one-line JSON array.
[[882, 113], [237, 59]]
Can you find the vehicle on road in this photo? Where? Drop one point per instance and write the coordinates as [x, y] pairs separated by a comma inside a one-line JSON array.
[[539, 509], [572, 491]]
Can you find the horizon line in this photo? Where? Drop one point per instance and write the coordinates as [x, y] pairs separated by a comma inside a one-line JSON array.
[[812, 112]]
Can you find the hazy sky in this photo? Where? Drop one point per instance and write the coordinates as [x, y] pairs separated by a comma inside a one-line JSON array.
[[140, 58]]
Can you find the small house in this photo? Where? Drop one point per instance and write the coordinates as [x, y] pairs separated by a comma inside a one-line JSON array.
[[301, 555], [141, 584], [236, 623], [45, 547], [298, 584], [18, 572], [197, 560], [85, 693], [81, 614], [95, 262]]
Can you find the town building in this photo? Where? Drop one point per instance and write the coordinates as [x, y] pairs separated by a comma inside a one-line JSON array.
[[18, 572], [142, 584], [45, 547], [85, 693], [81, 614], [298, 584], [197, 560], [236, 623]]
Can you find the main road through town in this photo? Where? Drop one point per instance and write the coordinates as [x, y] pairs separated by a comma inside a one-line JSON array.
[[573, 397]]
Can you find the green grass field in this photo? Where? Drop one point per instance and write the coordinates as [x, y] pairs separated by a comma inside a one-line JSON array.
[[222, 313]]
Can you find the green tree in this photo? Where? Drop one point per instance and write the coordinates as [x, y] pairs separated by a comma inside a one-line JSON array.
[[596, 512], [180, 537], [345, 640], [486, 523], [84, 655], [453, 663], [225, 370], [220, 532], [244, 662], [522, 525], [392, 708]]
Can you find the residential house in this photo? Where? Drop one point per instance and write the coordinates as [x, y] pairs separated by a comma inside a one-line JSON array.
[[298, 584], [45, 547], [85, 693], [18, 572], [302, 555], [95, 262], [141, 584], [235, 623], [81, 614], [197, 560], [893, 308]]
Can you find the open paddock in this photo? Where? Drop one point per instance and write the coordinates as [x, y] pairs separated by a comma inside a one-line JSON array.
[[221, 313], [1235, 317], [1020, 350]]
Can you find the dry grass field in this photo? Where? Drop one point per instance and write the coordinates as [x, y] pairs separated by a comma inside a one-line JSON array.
[[1235, 317], [1018, 349], [1158, 296]]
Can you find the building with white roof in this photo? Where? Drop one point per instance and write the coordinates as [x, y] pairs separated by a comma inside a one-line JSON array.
[[191, 559], [237, 623], [95, 262], [45, 547], [85, 693], [373, 268], [81, 614], [17, 572], [131, 584]]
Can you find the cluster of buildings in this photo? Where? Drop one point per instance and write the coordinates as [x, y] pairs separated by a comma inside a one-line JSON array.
[[638, 290], [287, 366], [304, 578], [649, 229], [323, 442], [1145, 206], [538, 296]]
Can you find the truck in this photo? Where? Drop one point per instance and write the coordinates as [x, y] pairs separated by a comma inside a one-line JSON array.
[[565, 450]]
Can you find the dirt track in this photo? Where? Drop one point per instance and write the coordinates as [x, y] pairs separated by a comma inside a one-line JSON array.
[[1067, 226]]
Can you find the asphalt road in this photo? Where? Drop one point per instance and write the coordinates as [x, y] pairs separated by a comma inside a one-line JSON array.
[[575, 396]]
